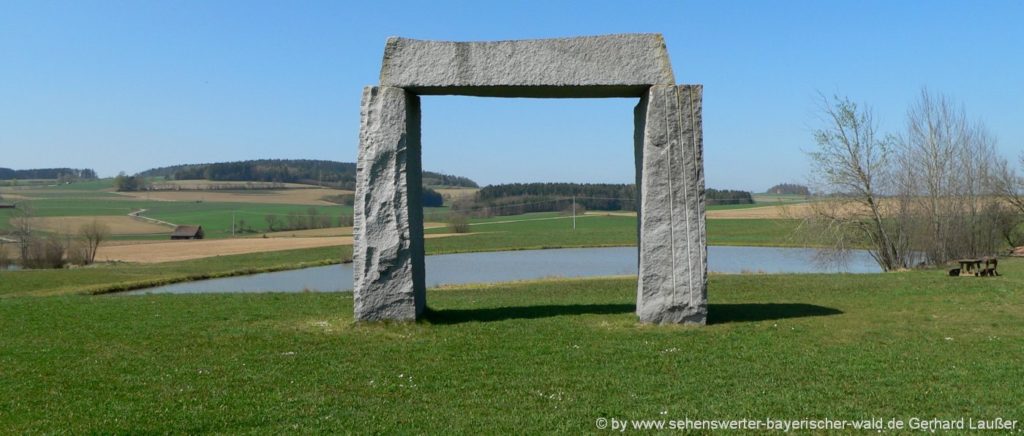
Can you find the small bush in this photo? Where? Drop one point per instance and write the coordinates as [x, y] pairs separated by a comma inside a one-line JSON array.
[[45, 253], [5, 259], [568, 210], [78, 253], [458, 223]]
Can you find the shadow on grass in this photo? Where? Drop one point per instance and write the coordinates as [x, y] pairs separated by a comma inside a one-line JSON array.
[[457, 316], [717, 313], [750, 312]]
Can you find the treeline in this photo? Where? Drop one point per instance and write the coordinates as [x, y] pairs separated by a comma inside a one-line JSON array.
[[123, 183], [518, 198], [438, 179], [314, 172], [430, 198], [593, 196], [727, 196], [64, 174], [294, 220], [789, 189]]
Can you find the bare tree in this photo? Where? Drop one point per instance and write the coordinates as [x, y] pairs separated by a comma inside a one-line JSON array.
[[93, 233], [5, 260], [273, 222], [1008, 186], [23, 229], [853, 163], [947, 165]]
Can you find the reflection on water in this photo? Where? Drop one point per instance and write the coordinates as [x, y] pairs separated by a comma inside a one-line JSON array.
[[524, 265]]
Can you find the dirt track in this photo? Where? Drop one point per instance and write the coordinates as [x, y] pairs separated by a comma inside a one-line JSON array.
[[169, 251]]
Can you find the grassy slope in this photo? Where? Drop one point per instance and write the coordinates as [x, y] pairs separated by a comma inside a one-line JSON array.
[[545, 230], [216, 217], [516, 358], [103, 278], [213, 216]]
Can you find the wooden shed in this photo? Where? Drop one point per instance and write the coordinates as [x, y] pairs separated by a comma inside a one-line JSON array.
[[187, 232]]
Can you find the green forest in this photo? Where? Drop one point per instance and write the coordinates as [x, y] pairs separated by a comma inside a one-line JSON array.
[[315, 172], [518, 198], [48, 173]]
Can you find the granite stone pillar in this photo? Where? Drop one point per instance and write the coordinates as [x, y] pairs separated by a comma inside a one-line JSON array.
[[388, 217], [672, 282]]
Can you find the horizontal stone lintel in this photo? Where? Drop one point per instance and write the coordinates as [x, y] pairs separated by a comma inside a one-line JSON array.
[[593, 91], [600, 66]]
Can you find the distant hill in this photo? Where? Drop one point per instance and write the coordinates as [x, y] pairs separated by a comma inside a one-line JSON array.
[[315, 172], [48, 173], [789, 189]]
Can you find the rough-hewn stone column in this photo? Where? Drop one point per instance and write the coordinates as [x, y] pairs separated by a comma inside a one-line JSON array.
[[388, 214], [672, 283]]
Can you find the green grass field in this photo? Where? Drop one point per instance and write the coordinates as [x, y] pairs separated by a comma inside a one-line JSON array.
[[551, 230], [125, 276], [520, 358], [90, 199], [216, 217]]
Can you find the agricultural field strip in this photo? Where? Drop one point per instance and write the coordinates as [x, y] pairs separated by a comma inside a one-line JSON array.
[[532, 219]]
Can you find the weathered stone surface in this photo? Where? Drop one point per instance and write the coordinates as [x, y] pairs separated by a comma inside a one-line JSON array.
[[621, 65], [672, 282], [388, 228]]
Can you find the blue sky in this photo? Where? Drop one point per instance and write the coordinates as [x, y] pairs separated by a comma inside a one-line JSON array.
[[130, 85]]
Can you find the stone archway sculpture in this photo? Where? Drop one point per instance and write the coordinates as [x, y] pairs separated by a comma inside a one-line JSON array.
[[668, 143]]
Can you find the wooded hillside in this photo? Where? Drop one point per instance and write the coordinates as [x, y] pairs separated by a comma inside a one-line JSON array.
[[315, 172], [48, 173]]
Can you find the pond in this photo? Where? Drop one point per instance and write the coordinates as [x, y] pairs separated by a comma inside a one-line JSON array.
[[524, 265]]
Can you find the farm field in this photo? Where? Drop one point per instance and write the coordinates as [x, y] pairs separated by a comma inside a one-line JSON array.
[[777, 211], [301, 196], [119, 225], [212, 209], [455, 194], [215, 210], [564, 353]]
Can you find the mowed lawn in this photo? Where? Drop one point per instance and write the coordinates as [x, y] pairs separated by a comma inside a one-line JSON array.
[[516, 358]]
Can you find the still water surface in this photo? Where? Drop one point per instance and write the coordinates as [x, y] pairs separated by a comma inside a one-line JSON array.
[[524, 265]]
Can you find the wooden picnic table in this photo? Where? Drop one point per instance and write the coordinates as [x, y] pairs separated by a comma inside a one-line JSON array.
[[983, 266]]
